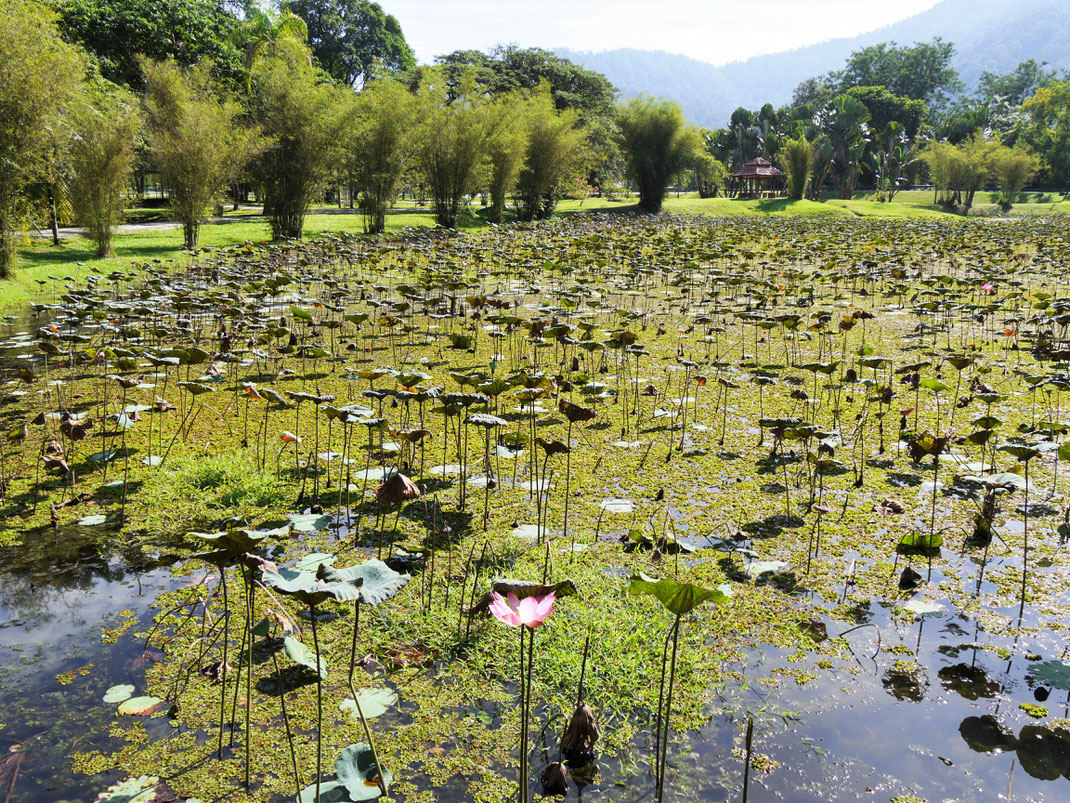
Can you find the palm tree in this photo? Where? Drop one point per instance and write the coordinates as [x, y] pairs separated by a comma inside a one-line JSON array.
[[743, 136], [894, 152], [843, 122], [266, 34]]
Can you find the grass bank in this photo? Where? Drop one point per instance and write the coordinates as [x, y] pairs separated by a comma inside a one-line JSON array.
[[43, 264]]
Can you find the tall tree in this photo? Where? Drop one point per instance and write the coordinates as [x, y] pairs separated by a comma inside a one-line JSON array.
[[797, 157], [1046, 129], [506, 152], [555, 148], [657, 145], [1012, 168], [101, 158], [921, 71], [742, 137], [1015, 86], [198, 144], [843, 125], [306, 119], [958, 171], [382, 147], [187, 31], [458, 123], [508, 67], [353, 39], [710, 174], [266, 35], [40, 77], [893, 152]]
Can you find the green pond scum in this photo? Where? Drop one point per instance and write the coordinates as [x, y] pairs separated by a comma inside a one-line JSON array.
[[846, 436]]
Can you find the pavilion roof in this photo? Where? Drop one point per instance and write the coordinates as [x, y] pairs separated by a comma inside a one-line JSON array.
[[758, 168]]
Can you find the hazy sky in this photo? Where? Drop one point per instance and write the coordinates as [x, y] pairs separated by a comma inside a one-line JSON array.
[[717, 31]]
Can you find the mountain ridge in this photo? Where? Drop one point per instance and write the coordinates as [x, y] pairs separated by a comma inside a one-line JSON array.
[[992, 35]]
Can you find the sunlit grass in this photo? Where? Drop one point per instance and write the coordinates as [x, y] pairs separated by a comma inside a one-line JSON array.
[[74, 259]]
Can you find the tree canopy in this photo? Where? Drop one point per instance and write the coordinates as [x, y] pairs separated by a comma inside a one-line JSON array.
[[40, 77], [1017, 85], [118, 31], [921, 71], [657, 145], [1046, 128], [353, 39], [508, 67], [885, 107]]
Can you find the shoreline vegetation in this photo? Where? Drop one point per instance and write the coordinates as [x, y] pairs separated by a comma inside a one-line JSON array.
[[41, 263]]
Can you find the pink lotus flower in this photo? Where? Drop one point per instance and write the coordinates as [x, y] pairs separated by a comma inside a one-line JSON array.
[[987, 287], [529, 612]]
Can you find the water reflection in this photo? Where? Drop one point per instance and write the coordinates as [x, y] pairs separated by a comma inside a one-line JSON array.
[[968, 681], [1042, 751]]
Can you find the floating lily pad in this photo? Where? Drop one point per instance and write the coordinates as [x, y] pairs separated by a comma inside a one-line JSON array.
[[375, 474], [308, 522], [529, 532], [330, 792], [373, 702], [1055, 674], [923, 607], [118, 694], [615, 505], [757, 568], [93, 520], [447, 470], [143, 706], [143, 789]]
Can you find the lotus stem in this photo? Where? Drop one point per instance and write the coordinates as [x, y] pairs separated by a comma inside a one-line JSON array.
[[223, 668], [286, 722], [319, 701]]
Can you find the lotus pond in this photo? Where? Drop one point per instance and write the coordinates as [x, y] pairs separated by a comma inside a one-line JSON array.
[[616, 508]]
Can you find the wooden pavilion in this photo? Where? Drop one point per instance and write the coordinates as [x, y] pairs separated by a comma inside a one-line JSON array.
[[759, 179]]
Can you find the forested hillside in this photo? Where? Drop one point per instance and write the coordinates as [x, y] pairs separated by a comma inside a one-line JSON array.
[[992, 35]]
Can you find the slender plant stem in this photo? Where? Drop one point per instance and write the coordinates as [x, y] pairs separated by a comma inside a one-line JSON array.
[[286, 722], [319, 702], [250, 592], [223, 670], [668, 709], [356, 700]]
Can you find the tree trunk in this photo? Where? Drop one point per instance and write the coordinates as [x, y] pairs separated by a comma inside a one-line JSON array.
[[7, 244], [190, 234], [52, 217]]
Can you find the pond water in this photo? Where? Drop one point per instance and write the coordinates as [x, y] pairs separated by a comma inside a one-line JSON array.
[[943, 724]]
